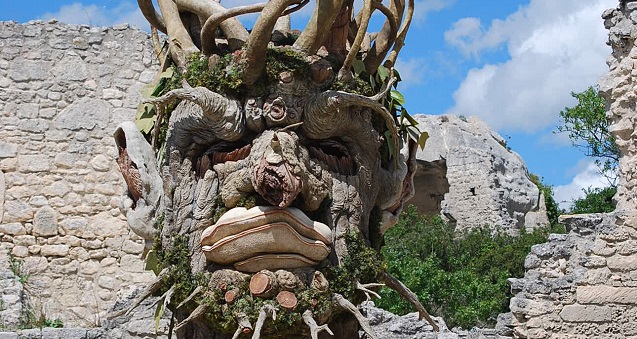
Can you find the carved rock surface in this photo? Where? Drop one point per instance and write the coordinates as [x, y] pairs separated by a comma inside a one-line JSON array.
[[467, 174]]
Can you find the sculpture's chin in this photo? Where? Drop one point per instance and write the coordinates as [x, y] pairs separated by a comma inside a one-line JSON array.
[[266, 237]]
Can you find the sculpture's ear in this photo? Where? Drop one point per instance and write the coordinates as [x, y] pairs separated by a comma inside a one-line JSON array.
[[144, 187], [403, 176]]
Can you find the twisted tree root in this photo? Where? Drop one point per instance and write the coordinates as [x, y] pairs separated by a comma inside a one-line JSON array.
[[348, 306], [265, 311], [198, 312], [315, 329], [154, 286], [410, 296], [365, 288], [243, 327], [192, 295]]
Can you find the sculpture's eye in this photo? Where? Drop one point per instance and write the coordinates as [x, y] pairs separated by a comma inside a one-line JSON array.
[[220, 153], [334, 154]]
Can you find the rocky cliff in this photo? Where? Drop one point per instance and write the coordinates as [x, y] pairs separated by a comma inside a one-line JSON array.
[[468, 174]]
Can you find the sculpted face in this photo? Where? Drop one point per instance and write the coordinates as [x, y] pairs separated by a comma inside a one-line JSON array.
[[268, 186]]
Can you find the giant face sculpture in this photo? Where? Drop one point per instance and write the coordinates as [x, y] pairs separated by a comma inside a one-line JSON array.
[[263, 196]]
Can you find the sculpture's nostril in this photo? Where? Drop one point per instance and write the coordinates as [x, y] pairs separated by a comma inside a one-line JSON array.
[[276, 184]]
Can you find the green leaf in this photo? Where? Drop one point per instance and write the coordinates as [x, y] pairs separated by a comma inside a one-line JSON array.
[[152, 262], [145, 111], [397, 97], [147, 91], [159, 312], [383, 73], [410, 119], [398, 78], [422, 140], [416, 135], [145, 125], [359, 66]]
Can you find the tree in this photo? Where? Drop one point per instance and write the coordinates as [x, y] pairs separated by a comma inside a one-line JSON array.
[[269, 165], [588, 129], [595, 200]]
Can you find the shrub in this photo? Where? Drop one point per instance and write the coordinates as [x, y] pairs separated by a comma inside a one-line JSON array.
[[596, 200], [460, 276]]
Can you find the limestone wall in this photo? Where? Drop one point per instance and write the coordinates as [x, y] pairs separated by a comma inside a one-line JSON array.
[[618, 88], [63, 89], [584, 284], [579, 285]]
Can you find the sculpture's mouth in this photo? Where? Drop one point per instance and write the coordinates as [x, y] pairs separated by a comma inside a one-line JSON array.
[[266, 237]]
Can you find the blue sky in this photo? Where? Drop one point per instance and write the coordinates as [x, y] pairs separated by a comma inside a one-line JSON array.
[[512, 63]]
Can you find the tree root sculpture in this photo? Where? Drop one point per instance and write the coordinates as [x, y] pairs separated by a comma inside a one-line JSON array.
[[347, 305], [244, 326], [154, 286], [365, 288], [194, 293], [410, 296], [315, 329], [266, 311], [197, 313]]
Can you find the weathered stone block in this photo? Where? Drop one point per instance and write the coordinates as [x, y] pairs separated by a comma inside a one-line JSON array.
[[602, 295], [87, 113], [45, 222], [14, 228], [586, 313], [530, 307], [64, 333], [622, 263], [34, 163], [54, 250], [8, 150], [3, 189]]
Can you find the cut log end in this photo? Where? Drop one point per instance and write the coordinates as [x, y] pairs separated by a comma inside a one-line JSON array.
[[262, 284], [287, 300], [230, 296]]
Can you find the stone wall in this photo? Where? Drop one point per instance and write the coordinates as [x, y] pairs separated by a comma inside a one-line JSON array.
[[63, 89], [584, 284]]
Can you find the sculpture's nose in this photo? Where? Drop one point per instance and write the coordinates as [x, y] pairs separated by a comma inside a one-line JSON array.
[[273, 178]]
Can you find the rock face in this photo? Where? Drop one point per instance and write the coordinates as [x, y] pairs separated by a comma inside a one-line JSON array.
[[618, 88], [467, 174]]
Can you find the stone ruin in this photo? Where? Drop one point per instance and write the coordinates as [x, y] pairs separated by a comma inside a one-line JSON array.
[[59, 188]]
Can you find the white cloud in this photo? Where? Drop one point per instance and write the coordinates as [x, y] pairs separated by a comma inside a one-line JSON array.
[[587, 176], [424, 7], [412, 72], [91, 14], [555, 47]]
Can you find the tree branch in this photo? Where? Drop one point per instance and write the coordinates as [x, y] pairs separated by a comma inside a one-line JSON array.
[[234, 31], [365, 15], [406, 293], [210, 26], [402, 34], [181, 45], [255, 53], [319, 26], [386, 37], [153, 17]]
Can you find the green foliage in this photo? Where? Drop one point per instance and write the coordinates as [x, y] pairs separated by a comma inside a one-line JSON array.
[[552, 210], [596, 200], [588, 129], [15, 265], [458, 275], [361, 264]]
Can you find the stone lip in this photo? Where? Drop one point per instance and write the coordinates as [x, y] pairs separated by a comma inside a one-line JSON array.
[[266, 237]]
